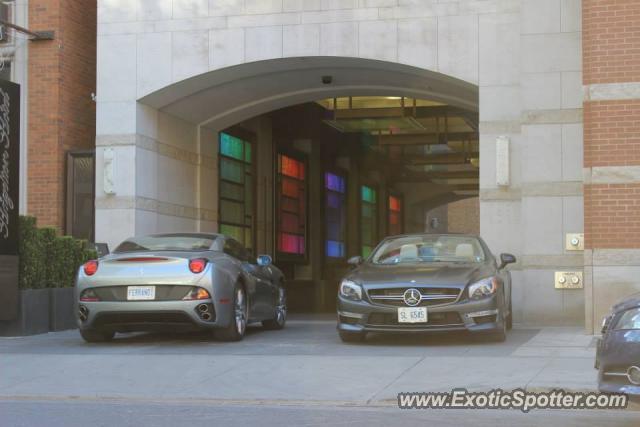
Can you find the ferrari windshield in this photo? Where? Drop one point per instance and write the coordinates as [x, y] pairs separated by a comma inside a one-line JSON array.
[[168, 242], [429, 248]]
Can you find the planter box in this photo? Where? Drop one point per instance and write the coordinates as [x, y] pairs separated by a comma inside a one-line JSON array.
[[33, 314], [61, 309]]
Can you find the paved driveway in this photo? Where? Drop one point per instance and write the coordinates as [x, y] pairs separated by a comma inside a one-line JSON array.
[[306, 362]]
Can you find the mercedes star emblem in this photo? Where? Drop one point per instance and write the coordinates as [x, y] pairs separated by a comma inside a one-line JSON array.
[[412, 297]]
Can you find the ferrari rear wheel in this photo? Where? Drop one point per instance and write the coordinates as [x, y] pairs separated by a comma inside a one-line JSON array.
[[96, 335], [280, 313], [239, 317]]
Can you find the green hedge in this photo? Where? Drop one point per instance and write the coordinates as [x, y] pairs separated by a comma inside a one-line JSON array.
[[48, 260]]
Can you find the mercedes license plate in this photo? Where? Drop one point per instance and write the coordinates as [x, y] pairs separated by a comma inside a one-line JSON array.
[[412, 315], [141, 293]]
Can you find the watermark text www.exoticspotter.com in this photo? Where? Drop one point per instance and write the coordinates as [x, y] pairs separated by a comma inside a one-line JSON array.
[[523, 400]]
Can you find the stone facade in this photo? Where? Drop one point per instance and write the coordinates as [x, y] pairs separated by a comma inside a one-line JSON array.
[[524, 56]]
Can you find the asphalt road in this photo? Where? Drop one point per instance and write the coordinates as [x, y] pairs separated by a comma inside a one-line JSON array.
[[300, 376], [170, 414]]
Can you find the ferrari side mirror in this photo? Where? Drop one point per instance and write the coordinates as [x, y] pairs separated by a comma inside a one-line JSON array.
[[264, 260], [355, 261]]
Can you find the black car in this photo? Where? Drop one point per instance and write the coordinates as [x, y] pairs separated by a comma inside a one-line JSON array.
[[618, 354], [426, 282]]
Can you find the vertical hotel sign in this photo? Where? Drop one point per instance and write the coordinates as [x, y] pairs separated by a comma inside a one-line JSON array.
[[9, 193]]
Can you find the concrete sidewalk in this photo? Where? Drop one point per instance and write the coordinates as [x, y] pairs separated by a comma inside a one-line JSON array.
[[306, 362]]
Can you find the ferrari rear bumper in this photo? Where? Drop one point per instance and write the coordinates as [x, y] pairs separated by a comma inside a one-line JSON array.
[[128, 316]]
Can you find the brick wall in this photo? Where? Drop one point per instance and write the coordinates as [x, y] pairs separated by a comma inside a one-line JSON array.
[[61, 113], [611, 55], [612, 132], [611, 40]]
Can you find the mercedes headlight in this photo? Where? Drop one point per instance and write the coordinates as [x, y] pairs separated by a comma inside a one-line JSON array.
[[351, 290], [483, 288]]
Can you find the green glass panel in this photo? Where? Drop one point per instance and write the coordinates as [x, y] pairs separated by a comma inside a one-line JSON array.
[[233, 231], [367, 210], [231, 171], [247, 152], [231, 146], [232, 191], [368, 194], [231, 212], [366, 251]]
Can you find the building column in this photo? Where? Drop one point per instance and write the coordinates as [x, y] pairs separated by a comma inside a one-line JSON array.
[[611, 154]]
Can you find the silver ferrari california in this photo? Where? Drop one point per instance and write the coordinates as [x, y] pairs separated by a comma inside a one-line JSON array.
[[179, 282]]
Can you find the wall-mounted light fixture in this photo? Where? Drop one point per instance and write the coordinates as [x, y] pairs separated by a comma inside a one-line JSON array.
[[502, 161], [108, 161]]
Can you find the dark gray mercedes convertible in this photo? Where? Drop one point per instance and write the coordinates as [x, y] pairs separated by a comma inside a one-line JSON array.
[[426, 282], [618, 355]]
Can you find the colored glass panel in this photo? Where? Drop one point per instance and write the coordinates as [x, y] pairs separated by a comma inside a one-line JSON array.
[[247, 152], [368, 219], [290, 188], [231, 171], [231, 191], [368, 194], [231, 212], [334, 182], [291, 244], [236, 188], [233, 231], [335, 249], [291, 206], [334, 231], [289, 223], [394, 218], [395, 215], [291, 167], [366, 251], [232, 147], [335, 201], [394, 203]]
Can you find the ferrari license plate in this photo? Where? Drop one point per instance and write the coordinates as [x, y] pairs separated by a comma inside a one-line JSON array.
[[141, 293], [412, 315]]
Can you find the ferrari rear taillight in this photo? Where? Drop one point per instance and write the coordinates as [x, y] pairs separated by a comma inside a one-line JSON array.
[[90, 267], [89, 295], [197, 265], [196, 294]]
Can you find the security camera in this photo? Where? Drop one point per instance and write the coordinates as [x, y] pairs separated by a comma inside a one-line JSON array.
[[327, 80]]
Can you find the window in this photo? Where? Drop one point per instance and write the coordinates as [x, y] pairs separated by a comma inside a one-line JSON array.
[[394, 220], [80, 194], [169, 242], [236, 189], [292, 198], [335, 215], [368, 219], [6, 15]]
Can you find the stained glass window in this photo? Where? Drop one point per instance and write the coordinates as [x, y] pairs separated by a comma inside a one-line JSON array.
[[236, 187], [292, 199], [394, 221], [368, 219], [335, 215]]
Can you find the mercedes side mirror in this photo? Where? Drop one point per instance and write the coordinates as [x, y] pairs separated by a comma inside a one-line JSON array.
[[264, 260], [506, 259], [355, 261]]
